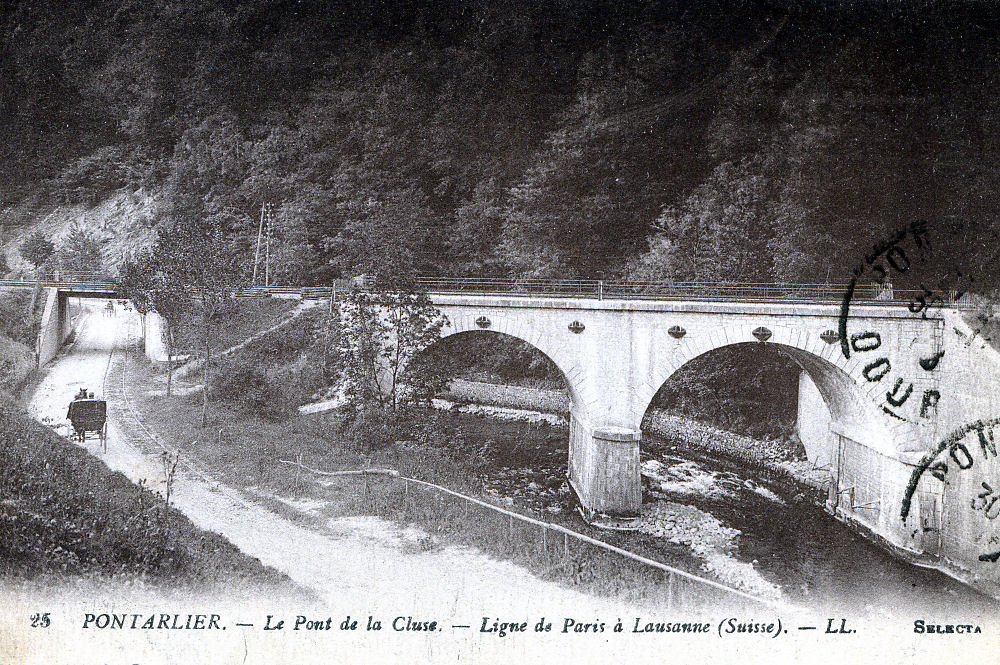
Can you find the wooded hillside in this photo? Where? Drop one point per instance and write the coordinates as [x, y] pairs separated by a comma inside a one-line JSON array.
[[770, 140]]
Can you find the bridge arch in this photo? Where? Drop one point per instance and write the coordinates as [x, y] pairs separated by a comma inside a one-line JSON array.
[[498, 324], [846, 393]]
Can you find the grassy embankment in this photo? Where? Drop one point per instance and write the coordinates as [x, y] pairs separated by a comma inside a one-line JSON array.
[[18, 326], [66, 516], [242, 319], [442, 448]]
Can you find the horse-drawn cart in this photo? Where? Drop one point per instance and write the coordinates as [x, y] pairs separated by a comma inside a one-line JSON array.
[[89, 416]]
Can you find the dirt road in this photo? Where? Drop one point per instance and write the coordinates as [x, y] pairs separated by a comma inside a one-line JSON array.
[[351, 557]]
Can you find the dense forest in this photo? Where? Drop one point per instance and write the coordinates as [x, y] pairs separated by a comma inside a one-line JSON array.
[[768, 140]]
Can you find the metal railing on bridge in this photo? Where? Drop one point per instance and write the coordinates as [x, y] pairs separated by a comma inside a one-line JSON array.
[[102, 281], [65, 278], [565, 288], [648, 290], [304, 292]]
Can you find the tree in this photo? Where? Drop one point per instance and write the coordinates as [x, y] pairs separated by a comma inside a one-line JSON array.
[[201, 249], [380, 336], [142, 281], [80, 250], [384, 238], [200, 270], [37, 248], [720, 233]]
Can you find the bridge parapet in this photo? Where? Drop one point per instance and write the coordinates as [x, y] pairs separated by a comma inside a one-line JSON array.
[[578, 290], [663, 290]]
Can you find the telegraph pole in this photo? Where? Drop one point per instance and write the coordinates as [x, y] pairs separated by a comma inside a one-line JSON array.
[[256, 255], [267, 250]]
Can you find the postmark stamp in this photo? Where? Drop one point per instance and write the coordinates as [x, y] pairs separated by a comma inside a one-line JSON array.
[[937, 381], [901, 256]]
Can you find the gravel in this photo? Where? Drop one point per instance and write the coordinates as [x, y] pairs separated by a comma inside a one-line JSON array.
[[710, 540]]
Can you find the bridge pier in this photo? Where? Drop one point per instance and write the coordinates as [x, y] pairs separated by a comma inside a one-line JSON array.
[[154, 329], [604, 470]]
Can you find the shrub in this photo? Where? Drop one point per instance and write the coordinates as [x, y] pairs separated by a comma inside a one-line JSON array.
[[372, 427], [286, 343], [80, 249], [298, 380], [15, 319], [247, 387], [94, 176]]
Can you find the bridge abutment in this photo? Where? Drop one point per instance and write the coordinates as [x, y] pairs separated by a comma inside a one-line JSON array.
[[55, 327], [814, 425], [154, 331]]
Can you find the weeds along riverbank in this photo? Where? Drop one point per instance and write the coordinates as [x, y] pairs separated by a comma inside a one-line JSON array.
[[65, 517]]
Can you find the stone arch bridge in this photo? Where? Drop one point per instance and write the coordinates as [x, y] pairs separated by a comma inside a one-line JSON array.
[[882, 391], [615, 354]]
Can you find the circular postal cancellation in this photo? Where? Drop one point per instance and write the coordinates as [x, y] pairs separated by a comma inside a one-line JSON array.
[[915, 457]]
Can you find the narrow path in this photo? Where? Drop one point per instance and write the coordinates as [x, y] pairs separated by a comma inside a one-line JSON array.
[[286, 318], [348, 558]]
